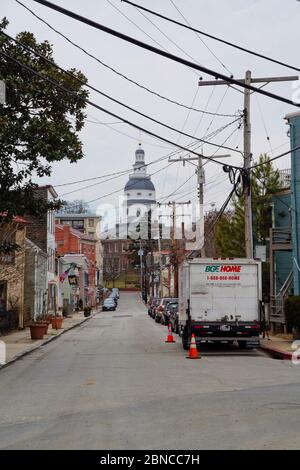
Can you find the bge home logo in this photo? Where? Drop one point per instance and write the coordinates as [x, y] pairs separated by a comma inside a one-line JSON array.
[[223, 269]]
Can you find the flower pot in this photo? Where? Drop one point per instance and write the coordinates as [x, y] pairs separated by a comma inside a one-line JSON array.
[[46, 324], [37, 330], [56, 322]]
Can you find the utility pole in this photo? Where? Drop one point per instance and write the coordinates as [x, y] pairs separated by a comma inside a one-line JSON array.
[[141, 267], [248, 80], [174, 240], [200, 188]]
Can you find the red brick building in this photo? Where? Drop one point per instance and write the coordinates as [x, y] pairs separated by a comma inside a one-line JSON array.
[[72, 241]]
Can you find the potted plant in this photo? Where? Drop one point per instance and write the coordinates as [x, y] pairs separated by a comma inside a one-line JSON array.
[[87, 311], [292, 312], [56, 322], [38, 328]]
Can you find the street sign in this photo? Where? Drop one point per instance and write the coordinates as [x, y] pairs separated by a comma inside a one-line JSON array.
[[73, 280], [261, 252]]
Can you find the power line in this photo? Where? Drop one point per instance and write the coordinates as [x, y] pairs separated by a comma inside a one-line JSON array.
[[110, 113], [130, 80], [137, 26], [157, 51], [223, 41], [198, 36], [121, 189], [276, 158], [123, 172], [169, 39], [102, 93]]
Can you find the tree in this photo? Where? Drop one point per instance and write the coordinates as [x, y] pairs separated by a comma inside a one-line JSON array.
[[39, 123], [75, 207], [230, 235]]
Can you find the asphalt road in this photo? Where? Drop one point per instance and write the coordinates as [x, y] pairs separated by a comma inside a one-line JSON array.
[[113, 383]]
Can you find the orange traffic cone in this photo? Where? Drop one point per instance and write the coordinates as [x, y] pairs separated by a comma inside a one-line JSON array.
[[170, 338], [193, 351]]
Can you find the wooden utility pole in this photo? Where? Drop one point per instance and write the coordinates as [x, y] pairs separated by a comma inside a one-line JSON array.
[[173, 204], [248, 80], [200, 188]]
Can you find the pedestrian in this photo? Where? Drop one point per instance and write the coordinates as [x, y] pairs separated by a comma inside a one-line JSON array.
[[265, 328]]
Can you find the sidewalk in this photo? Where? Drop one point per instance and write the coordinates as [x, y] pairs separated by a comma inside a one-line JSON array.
[[278, 346], [19, 343]]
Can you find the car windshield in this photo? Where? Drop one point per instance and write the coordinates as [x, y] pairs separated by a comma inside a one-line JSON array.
[[166, 301], [172, 305]]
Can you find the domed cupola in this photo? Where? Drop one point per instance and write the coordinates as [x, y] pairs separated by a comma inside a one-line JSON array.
[[139, 190]]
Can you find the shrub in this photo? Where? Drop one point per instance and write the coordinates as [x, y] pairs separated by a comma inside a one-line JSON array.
[[292, 311]]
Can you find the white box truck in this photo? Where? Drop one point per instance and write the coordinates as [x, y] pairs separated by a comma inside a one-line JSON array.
[[220, 301]]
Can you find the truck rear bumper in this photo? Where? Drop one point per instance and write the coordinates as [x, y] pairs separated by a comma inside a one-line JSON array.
[[242, 332]]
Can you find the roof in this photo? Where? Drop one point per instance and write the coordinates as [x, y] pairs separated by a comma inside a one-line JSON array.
[[139, 183], [292, 115], [77, 233], [83, 215], [17, 219]]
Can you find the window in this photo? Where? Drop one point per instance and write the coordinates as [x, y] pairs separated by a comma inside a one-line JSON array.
[[138, 194], [91, 222], [150, 194], [128, 194], [78, 224], [91, 234], [138, 212]]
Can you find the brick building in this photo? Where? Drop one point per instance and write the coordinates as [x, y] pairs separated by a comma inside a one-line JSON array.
[[88, 224], [71, 241], [41, 232], [12, 273]]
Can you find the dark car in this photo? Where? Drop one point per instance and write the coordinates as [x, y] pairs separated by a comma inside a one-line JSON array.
[[109, 305], [172, 314], [160, 309], [152, 304]]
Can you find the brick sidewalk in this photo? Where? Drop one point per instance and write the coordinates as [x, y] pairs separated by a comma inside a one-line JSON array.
[[19, 343]]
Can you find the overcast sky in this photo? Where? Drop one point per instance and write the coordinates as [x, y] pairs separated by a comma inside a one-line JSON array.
[[270, 27]]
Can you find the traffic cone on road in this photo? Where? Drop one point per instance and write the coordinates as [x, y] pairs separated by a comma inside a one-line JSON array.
[[170, 338], [193, 351]]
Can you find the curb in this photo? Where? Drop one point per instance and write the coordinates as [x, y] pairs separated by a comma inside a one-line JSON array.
[[285, 355], [46, 341]]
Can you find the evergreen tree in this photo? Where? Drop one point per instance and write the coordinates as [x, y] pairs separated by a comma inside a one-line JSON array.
[[230, 234]]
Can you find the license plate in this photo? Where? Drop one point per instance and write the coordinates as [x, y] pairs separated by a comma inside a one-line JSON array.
[[225, 328]]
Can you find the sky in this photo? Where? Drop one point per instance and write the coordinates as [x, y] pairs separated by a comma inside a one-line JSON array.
[[270, 27]]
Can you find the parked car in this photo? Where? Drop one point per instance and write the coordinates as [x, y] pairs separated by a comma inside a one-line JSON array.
[[152, 304], [109, 305], [160, 309], [113, 297], [172, 313], [116, 291]]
